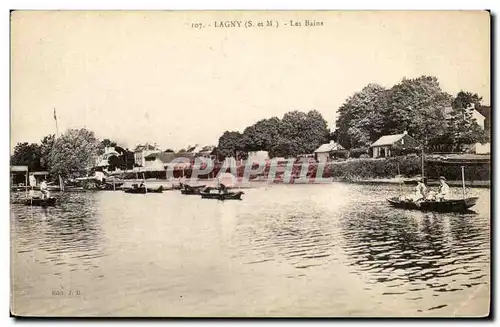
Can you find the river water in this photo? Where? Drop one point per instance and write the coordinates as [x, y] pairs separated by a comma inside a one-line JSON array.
[[284, 250]]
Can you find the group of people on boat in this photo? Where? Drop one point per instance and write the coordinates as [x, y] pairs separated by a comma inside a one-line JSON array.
[[423, 194]]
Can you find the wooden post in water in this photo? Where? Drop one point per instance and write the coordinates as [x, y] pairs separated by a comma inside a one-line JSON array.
[[463, 182], [423, 162], [26, 185], [400, 183]]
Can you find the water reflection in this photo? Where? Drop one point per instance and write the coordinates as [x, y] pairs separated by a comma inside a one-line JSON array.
[[298, 236], [414, 251], [326, 249], [66, 235]]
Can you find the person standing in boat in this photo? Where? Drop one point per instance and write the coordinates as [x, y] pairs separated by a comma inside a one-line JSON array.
[[444, 189]]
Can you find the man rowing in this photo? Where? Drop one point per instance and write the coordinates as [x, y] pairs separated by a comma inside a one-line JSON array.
[[444, 189], [442, 192]]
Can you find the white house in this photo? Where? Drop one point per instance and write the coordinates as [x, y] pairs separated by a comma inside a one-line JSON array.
[[385, 145], [142, 151], [323, 152], [258, 156], [165, 160], [481, 121], [103, 160]]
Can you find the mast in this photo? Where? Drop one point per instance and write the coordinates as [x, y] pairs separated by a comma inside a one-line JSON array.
[[400, 183], [463, 182], [61, 183]]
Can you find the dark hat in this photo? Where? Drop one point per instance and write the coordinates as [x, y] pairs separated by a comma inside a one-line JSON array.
[[442, 178]]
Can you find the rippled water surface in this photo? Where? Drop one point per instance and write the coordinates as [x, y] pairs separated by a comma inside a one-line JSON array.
[[285, 250]]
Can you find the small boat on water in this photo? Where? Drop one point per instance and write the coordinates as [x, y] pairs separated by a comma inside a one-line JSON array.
[[459, 205], [192, 190], [221, 196], [48, 202], [143, 190]]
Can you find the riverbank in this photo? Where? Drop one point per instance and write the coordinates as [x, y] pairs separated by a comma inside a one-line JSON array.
[[475, 184]]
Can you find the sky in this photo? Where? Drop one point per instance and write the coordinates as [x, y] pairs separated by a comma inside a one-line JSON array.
[[149, 76]]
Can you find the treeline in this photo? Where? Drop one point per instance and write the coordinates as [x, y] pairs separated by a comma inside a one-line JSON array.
[[69, 155], [436, 119], [296, 133]]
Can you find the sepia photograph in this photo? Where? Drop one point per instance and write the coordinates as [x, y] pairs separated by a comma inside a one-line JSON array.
[[257, 164]]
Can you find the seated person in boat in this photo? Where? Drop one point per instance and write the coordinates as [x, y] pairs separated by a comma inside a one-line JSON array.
[[442, 192], [444, 189], [420, 192], [222, 189], [44, 189]]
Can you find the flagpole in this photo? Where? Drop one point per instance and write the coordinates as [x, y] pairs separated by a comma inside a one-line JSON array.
[[61, 183], [57, 127]]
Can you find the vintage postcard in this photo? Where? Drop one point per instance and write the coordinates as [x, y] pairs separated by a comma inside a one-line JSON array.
[[250, 164]]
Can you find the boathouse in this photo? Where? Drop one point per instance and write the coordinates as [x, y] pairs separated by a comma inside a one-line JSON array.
[[328, 150], [390, 145]]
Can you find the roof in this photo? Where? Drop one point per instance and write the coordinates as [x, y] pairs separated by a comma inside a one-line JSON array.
[[388, 139], [167, 157], [208, 148], [141, 147], [327, 147], [485, 111], [18, 168], [40, 173]]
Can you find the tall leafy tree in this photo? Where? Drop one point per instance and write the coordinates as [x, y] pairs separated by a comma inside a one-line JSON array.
[[73, 153], [46, 146], [230, 144], [362, 118], [417, 106], [27, 154], [104, 144], [461, 127], [262, 135]]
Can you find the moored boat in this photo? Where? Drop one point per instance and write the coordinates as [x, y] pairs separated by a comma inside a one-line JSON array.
[[192, 190], [222, 196], [143, 190], [458, 205]]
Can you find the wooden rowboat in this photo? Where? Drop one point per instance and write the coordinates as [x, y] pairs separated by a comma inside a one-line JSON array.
[[143, 190], [459, 205], [222, 196], [192, 190]]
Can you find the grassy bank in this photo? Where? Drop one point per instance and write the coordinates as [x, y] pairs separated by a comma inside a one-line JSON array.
[[358, 170]]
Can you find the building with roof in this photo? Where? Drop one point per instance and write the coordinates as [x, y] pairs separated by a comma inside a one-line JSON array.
[[164, 160], [387, 145], [482, 116], [329, 150], [208, 151], [142, 151]]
